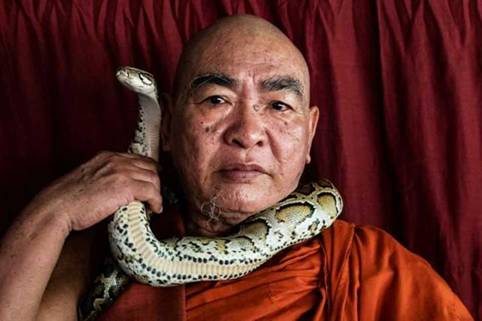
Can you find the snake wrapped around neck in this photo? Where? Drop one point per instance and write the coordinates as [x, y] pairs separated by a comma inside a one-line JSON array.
[[138, 254]]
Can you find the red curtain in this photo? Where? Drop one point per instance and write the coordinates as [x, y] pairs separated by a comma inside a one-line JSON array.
[[398, 82]]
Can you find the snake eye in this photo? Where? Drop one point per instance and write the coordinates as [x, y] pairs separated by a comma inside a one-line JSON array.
[[146, 79]]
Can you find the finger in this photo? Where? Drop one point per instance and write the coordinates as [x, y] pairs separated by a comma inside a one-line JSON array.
[[144, 175], [129, 169], [140, 161], [149, 193], [147, 163], [135, 156]]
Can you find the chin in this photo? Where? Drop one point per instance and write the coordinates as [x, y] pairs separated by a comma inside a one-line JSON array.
[[243, 202], [216, 217], [235, 201]]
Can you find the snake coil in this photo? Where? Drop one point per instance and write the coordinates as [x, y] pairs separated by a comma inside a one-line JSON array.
[[138, 254]]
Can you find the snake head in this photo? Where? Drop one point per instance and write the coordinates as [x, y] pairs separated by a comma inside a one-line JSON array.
[[137, 80]]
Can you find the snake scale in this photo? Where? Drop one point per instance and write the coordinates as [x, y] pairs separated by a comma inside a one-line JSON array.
[[138, 254]]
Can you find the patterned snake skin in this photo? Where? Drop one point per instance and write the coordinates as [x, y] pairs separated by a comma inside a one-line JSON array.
[[138, 254]]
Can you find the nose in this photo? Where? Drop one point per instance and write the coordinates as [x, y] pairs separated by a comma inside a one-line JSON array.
[[246, 128]]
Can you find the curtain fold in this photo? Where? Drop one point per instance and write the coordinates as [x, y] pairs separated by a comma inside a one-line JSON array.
[[398, 83]]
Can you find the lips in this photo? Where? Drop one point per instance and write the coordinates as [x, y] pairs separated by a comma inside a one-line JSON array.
[[242, 172]]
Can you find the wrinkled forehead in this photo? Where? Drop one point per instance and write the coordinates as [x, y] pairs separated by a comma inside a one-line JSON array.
[[266, 53], [257, 57]]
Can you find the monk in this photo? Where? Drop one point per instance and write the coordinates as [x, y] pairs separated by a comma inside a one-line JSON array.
[[239, 128]]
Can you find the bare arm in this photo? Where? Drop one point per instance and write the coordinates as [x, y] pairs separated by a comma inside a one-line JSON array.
[[31, 248], [28, 254], [81, 255]]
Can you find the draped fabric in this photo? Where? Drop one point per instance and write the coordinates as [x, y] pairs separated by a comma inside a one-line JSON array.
[[398, 83], [353, 273]]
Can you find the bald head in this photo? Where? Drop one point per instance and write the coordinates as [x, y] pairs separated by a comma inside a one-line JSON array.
[[232, 40], [240, 128]]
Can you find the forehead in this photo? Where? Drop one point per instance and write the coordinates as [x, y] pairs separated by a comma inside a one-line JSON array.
[[257, 58]]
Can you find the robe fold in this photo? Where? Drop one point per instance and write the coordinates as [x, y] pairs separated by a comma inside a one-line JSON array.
[[349, 272]]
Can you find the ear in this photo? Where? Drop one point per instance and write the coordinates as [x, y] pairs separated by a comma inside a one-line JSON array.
[[313, 122], [166, 103]]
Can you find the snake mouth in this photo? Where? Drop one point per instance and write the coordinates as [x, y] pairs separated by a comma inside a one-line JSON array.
[[121, 72]]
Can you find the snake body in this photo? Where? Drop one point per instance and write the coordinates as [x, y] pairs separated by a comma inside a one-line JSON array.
[[300, 216]]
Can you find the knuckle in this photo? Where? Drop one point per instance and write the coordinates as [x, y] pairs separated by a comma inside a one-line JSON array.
[[157, 181], [151, 190], [149, 162], [114, 168], [109, 169], [119, 179], [154, 178], [117, 166], [104, 154]]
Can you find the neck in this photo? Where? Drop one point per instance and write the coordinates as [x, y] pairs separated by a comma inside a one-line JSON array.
[[204, 220], [200, 224]]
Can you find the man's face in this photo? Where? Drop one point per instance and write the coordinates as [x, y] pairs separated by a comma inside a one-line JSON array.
[[241, 132]]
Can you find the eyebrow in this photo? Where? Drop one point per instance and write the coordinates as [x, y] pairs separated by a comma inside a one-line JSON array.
[[275, 83], [283, 83], [212, 78]]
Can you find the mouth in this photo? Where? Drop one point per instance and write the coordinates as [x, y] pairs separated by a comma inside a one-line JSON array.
[[242, 172]]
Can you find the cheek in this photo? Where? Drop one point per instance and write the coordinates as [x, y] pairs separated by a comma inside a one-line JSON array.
[[289, 144], [189, 134], [194, 145]]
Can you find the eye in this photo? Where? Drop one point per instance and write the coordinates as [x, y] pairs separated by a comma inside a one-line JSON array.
[[146, 79], [280, 106], [215, 100]]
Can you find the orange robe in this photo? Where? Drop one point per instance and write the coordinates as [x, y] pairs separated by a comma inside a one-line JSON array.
[[348, 273]]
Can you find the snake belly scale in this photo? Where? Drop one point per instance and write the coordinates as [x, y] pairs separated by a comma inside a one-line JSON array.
[[138, 253]]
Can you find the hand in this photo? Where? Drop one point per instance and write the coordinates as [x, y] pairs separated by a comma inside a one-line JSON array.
[[99, 187]]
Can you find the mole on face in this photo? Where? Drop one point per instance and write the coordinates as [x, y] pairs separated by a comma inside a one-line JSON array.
[[204, 127]]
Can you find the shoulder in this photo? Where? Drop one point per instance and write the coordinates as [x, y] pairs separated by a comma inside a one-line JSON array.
[[367, 267], [369, 250], [366, 234], [346, 239]]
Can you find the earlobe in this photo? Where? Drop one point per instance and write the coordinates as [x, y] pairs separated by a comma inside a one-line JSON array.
[[165, 102]]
